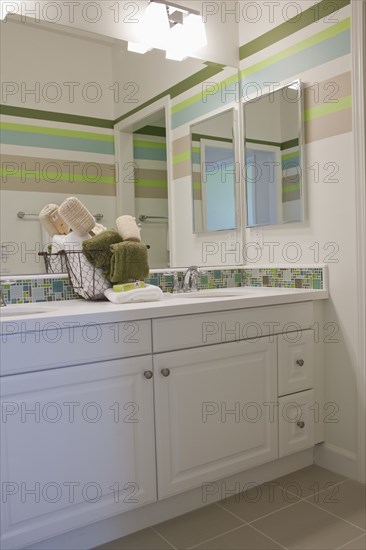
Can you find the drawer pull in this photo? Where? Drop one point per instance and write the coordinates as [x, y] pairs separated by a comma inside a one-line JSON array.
[[301, 424], [165, 372], [300, 362], [148, 374]]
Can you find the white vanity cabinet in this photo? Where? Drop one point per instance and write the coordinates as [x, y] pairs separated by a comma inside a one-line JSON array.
[[102, 427], [215, 411], [77, 446]]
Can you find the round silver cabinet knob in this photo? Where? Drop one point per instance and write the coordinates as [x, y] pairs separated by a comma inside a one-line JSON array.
[[148, 374], [165, 372], [301, 424], [300, 362]]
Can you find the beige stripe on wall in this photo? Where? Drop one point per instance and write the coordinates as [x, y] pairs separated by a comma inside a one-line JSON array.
[[147, 192], [181, 145], [328, 126], [328, 91], [75, 188]]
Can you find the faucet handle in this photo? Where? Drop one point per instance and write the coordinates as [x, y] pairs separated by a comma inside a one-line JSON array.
[[176, 285]]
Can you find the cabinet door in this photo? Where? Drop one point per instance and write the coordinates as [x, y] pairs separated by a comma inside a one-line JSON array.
[[215, 412], [295, 362], [77, 446], [296, 422]]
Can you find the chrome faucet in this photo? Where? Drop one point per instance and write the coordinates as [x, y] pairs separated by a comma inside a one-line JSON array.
[[190, 279]]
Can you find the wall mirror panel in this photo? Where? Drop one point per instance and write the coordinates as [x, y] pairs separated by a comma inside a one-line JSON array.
[[273, 149], [214, 173], [80, 56]]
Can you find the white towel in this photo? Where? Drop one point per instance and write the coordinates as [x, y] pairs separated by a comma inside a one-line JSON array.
[[57, 264], [150, 293]]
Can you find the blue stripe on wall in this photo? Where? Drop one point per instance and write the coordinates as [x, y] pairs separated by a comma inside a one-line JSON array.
[[323, 52], [226, 95], [148, 153], [47, 141]]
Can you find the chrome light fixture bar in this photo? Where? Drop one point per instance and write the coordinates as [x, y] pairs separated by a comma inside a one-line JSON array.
[[176, 6], [168, 26]]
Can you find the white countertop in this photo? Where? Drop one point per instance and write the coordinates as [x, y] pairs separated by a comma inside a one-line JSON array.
[[44, 314]]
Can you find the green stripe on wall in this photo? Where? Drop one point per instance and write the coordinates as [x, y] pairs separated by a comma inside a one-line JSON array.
[[307, 17], [54, 177], [204, 74], [55, 117], [328, 108], [55, 131], [317, 38], [157, 131], [149, 144], [222, 85], [290, 144], [180, 157], [151, 183], [262, 142], [290, 155], [290, 188], [198, 137]]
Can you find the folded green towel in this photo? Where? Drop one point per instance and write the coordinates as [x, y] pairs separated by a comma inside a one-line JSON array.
[[98, 251], [129, 262]]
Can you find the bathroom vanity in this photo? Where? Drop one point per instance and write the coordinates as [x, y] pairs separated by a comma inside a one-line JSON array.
[[136, 410]]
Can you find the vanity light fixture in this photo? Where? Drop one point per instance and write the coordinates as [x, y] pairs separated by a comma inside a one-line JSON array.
[[178, 30]]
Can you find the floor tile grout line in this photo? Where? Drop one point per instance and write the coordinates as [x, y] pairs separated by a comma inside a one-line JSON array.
[[250, 525], [164, 539], [338, 517], [232, 513], [268, 537], [309, 496], [350, 541], [217, 536]]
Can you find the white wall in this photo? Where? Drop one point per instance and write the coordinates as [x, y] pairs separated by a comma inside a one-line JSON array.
[[119, 19], [36, 58], [329, 227]]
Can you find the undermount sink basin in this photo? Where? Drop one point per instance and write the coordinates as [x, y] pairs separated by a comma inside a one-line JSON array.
[[219, 293], [21, 311]]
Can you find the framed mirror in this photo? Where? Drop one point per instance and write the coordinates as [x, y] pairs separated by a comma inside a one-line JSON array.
[[273, 157], [214, 173]]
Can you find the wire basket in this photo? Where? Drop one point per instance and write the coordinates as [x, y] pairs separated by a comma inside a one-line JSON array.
[[87, 280], [54, 262]]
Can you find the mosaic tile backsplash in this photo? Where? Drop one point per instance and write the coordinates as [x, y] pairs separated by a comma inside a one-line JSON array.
[[53, 289]]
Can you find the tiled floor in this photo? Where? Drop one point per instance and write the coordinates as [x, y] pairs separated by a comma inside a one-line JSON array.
[[312, 509]]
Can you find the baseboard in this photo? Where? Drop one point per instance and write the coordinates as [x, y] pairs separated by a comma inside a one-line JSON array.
[[336, 459], [113, 528]]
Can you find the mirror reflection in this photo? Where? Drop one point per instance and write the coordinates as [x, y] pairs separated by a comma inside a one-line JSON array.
[[151, 187], [214, 173], [273, 157]]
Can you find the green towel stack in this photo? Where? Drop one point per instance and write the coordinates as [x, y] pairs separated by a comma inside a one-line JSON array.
[[98, 250], [129, 262]]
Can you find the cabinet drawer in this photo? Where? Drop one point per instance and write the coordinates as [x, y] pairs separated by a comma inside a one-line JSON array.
[[295, 362], [190, 331], [296, 422], [61, 345]]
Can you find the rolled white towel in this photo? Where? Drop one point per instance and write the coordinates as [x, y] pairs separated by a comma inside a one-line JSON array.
[[52, 221], [57, 263], [150, 293], [128, 228], [98, 228], [77, 216]]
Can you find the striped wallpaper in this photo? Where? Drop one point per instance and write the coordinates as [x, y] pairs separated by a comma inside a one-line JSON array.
[[151, 178], [56, 157], [328, 105]]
